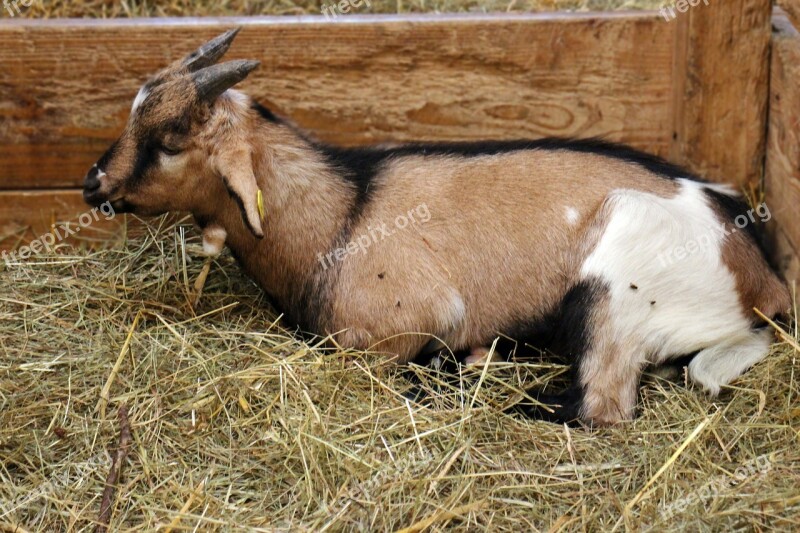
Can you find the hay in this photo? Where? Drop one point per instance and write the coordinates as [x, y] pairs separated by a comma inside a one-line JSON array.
[[171, 8], [236, 423]]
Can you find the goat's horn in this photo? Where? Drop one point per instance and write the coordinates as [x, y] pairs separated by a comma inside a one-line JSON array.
[[211, 82], [211, 52]]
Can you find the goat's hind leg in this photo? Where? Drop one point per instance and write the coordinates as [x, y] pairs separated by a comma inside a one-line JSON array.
[[605, 369], [720, 364], [604, 389], [563, 407]]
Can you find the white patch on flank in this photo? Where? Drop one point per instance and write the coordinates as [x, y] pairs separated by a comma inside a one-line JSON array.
[[451, 313], [673, 308], [457, 312], [572, 215], [140, 98]]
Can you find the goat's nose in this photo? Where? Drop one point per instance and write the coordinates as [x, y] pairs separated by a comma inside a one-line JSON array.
[[92, 181]]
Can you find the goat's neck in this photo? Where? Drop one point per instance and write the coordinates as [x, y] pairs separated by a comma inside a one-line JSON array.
[[307, 205]]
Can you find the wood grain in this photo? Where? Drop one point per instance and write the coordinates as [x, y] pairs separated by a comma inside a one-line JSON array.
[[26, 216], [782, 179], [792, 9], [66, 85], [721, 89]]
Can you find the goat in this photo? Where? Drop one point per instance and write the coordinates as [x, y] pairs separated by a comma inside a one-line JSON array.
[[557, 239]]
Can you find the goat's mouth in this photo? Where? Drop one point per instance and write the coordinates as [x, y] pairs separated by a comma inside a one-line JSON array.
[[120, 205], [94, 197], [97, 199]]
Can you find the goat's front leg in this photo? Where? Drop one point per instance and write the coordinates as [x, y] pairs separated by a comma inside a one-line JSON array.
[[399, 322], [399, 347], [213, 242]]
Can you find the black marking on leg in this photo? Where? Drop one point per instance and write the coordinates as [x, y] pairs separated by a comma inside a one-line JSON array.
[[570, 337], [561, 408]]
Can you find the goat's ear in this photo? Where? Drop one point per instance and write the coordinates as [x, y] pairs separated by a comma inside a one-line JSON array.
[[235, 167], [212, 81], [209, 53]]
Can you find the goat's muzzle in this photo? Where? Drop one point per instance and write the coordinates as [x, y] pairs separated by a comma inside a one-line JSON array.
[[92, 187]]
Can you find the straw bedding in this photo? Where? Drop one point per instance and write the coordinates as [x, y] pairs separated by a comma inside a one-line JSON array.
[[237, 423]]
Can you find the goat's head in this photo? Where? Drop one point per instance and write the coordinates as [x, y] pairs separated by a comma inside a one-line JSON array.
[[175, 142]]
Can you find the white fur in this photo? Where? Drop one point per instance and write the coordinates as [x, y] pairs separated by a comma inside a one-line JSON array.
[[213, 240], [172, 164], [722, 188], [572, 215], [674, 308], [455, 314], [237, 98], [719, 365], [140, 98]]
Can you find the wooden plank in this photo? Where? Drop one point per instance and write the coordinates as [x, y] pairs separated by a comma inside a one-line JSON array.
[[66, 85], [782, 180], [792, 9], [28, 216], [721, 89]]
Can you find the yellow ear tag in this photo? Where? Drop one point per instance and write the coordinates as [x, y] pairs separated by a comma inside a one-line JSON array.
[[260, 202]]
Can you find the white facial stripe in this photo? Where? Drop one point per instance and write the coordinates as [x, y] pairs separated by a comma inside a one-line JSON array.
[[100, 172], [140, 98]]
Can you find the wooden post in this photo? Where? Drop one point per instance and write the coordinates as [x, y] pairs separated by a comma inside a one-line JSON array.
[[721, 88], [783, 149], [792, 8]]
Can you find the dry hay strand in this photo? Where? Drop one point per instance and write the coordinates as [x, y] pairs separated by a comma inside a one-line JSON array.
[[176, 8], [238, 423]]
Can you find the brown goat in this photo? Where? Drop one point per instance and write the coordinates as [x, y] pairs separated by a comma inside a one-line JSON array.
[[606, 255]]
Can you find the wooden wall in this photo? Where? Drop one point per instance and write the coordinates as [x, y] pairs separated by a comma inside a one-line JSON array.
[[721, 87], [783, 147], [692, 89]]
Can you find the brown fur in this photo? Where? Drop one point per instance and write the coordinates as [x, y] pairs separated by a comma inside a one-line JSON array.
[[439, 279], [307, 206], [757, 284]]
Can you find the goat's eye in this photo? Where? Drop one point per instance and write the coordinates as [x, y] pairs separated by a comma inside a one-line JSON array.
[[169, 150]]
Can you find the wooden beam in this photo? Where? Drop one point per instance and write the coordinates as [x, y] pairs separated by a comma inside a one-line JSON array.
[[68, 84], [28, 216], [792, 9], [783, 148], [721, 92]]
